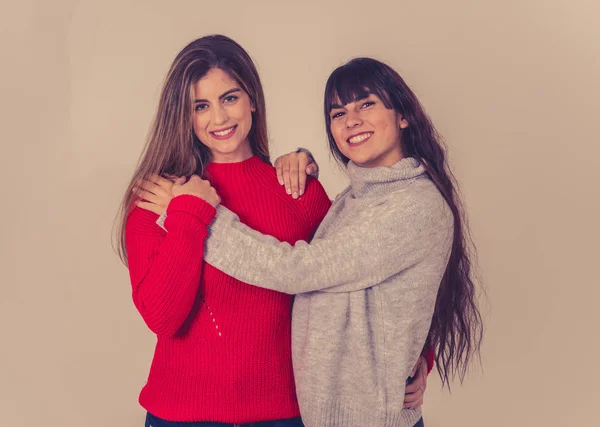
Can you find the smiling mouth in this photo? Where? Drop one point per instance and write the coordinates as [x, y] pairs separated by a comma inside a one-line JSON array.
[[359, 138], [224, 132]]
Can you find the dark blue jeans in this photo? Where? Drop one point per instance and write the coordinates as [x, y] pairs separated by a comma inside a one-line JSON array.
[[153, 421], [419, 423]]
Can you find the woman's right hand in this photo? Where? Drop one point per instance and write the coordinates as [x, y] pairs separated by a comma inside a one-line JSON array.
[[198, 187]]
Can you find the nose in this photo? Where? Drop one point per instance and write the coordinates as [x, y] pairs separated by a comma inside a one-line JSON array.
[[353, 119], [219, 115]]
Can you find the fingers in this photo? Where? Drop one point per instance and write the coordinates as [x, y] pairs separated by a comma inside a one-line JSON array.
[[292, 170], [197, 179], [279, 170], [302, 166], [286, 175], [150, 207], [147, 185], [294, 173], [157, 197], [311, 168], [163, 190], [413, 398], [145, 195], [158, 185], [180, 181], [410, 399], [413, 387], [159, 180], [164, 182], [198, 187], [415, 391], [294, 179], [414, 401]]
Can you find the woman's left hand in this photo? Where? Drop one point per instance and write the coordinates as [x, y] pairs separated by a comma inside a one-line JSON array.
[[415, 391], [292, 169], [156, 192]]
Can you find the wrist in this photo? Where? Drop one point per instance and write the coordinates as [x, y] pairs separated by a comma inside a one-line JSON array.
[[193, 205]]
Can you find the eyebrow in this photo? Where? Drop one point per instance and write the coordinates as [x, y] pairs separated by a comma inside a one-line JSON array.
[[229, 92], [361, 96]]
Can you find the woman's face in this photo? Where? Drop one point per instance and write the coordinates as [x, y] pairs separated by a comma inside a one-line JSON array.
[[367, 132], [223, 117]]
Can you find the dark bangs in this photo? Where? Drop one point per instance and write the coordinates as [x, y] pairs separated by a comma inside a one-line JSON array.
[[356, 80]]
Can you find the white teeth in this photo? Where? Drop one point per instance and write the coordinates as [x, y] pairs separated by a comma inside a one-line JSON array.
[[360, 138], [224, 132]]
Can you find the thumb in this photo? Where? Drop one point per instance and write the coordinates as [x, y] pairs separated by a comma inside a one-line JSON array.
[[414, 369]]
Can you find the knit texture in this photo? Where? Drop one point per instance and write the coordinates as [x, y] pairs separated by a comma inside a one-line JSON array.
[[223, 350], [367, 286]]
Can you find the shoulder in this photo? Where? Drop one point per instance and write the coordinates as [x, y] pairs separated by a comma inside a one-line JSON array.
[[142, 222], [314, 192], [421, 203], [266, 173], [343, 194], [315, 201]]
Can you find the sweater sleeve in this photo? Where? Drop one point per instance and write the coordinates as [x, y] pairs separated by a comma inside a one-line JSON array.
[[367, 249], [165, 268], [429, 355]]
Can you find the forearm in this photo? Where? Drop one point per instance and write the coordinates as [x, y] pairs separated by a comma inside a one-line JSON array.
[[252, 257], [165, 277], [370, 246], [262, 260]]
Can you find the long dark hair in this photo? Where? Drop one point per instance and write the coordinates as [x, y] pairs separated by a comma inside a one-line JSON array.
[[172, 147], [457, 328]]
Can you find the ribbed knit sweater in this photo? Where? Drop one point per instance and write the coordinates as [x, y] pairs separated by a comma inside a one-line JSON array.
[[223, 350]]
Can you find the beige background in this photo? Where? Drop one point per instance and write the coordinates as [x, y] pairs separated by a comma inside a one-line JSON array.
[[512, 85]]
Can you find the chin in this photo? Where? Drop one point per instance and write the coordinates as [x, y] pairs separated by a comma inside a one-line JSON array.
[[360, 161]]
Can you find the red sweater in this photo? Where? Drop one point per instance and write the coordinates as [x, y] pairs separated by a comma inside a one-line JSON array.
[[223, 350]]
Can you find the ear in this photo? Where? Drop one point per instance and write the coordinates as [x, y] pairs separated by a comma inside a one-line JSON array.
[[403, 122], [252, 107]]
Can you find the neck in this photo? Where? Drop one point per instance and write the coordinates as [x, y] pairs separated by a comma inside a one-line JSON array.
[[386, 163], [243, 154]]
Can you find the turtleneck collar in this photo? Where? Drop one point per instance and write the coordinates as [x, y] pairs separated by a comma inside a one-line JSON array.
[[382, 180]]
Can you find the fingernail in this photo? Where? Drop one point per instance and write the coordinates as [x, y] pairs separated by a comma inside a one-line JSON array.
[[280, 181], [301, 192], [295, 195], [288, 191]]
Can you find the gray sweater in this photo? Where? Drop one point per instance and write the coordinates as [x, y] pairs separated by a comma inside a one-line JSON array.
[[366, 286]]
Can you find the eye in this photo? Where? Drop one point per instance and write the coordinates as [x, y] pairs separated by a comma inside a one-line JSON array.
[[337, 115], [230, 98], [201, 107], [367, 104]]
